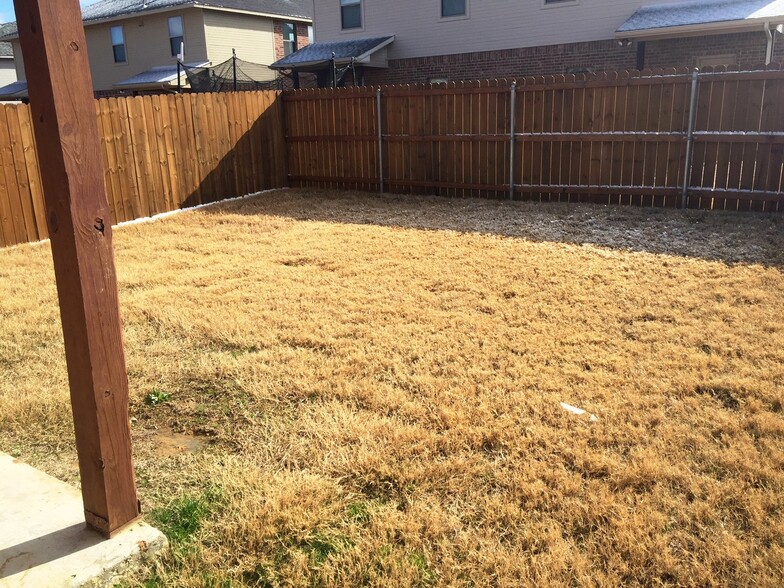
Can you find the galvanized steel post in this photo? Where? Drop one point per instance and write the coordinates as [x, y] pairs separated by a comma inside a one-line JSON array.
[[512, 139], [380, 143], [695, 76]]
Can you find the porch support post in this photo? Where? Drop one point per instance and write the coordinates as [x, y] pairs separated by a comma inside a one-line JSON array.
[[80, 226]]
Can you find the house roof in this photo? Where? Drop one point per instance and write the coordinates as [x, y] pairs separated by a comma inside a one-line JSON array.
[[6, 49], [156, 76], [114, 9], [14, 90], [317, 53], [703, 14]]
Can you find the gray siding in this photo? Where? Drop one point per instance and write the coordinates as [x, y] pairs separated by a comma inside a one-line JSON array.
[[490, 25]]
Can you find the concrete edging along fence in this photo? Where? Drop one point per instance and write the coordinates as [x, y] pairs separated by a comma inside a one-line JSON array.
[[612, 138]]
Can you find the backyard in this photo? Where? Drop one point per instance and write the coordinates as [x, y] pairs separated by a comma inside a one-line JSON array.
[[336, 389]]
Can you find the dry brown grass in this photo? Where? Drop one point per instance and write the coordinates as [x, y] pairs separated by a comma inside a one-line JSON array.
[[379, 380]]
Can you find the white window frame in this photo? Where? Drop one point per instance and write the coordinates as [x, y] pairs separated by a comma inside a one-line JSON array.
[[361, 26], [728, 59], [124, 44], [295, 40], [548, 4], [456, 16], [168, 30]]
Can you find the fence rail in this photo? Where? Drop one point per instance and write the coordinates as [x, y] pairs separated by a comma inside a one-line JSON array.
[[644, 138], [160, 153], [614, 138]]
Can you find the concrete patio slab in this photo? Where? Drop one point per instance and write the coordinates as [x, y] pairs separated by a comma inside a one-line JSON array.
[[44, 541]]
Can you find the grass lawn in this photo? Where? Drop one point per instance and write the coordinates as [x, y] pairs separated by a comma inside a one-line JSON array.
[[337, 389]]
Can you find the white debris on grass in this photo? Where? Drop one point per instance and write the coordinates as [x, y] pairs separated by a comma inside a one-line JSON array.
[[578, 411]]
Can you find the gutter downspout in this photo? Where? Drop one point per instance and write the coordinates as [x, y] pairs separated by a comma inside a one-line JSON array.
[[770, 34]]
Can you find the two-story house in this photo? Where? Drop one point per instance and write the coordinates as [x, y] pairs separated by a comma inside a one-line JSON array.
[[410, 41], [134, 44], [7, 69]]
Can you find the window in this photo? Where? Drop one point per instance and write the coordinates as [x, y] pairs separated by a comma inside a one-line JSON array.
[[453, 8], [118, 44], [351, 14], [716, 60], [553, 3], [310, 33], [176, 36], [289, 38]]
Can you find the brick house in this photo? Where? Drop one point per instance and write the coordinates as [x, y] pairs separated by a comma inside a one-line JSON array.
[[439, 40], [134, 44]]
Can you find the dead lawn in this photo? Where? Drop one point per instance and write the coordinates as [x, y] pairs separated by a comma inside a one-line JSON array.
[[334, 389]]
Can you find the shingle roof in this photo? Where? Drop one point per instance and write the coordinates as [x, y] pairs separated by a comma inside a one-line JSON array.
[[157, 75], [343, 50], [6, 49], [14, 90], [110, 9], [698, 12]]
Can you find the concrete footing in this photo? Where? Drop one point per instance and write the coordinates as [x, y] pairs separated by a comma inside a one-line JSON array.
[[44, 541]]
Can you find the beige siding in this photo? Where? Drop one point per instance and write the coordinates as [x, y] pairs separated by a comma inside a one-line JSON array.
[[7, 72], [251, 36], [146, 43], [491, 24], [18, 61]]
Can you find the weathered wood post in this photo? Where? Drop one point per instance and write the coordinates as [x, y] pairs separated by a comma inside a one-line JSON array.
[[66, 131]]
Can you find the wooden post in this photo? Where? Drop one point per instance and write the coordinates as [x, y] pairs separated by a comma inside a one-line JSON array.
[[66, 131]]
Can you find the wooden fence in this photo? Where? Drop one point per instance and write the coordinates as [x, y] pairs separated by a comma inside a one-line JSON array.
[[652, 138], [160, 153], [617, 138]]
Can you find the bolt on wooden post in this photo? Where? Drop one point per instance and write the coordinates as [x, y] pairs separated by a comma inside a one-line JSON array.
[[66, 131]]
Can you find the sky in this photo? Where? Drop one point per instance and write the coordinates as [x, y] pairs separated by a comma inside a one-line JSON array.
[[7, 9]]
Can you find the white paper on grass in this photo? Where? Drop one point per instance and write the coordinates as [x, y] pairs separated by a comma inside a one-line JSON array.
[[578, 411]]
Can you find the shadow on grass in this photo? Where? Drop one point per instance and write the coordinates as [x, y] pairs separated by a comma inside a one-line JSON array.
[[729, 237]]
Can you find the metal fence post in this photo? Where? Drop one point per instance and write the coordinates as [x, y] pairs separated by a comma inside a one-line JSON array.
[[512, 139], [695, 76], [380, 143]]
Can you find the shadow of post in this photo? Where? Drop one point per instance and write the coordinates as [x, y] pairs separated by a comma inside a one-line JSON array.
[[47, 548]]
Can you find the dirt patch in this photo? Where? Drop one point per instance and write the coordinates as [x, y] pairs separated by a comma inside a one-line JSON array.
[[170, 444]]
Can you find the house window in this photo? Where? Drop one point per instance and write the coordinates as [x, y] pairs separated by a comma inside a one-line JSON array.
[[453, 8], [549, 3], [715, 60], [176, 35], [289, 38], [310, 33], [118, 44], [351, 14]]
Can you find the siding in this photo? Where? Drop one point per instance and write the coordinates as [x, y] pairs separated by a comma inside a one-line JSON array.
[[7, 72], [146, 42], [492, 24], [252, 36]]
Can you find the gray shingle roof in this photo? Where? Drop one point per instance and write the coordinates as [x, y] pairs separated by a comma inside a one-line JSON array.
[[110, 9], [697, 12], [14, 90], [157, 75], [343, 50], [6, 50]]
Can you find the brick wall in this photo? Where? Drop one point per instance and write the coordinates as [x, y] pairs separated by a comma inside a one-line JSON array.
[[749, 49], [302, 37]]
